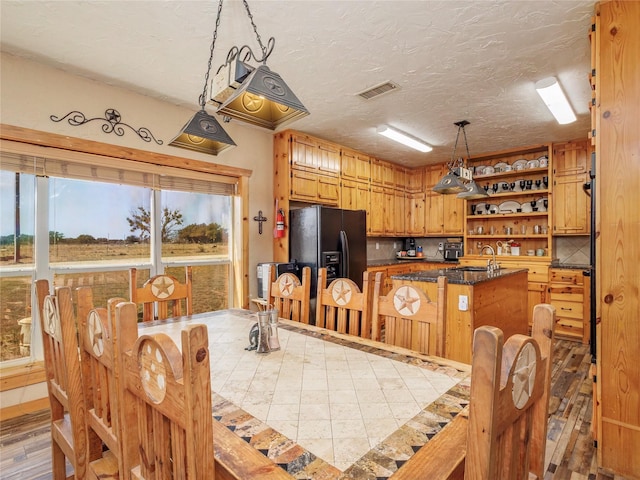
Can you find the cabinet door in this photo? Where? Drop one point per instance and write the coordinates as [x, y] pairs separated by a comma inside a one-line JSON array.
[[389, 210], [416, 205], [328, 158], [354, 195], [415, 180], [571, 205], [399, 213], [303, 152], [376, 211], [304, 186], [377, 171], [388, 175], [433, 220], [355, 166], [453, 215], [328, 190]]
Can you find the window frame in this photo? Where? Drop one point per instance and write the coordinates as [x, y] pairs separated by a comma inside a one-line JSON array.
[[24, 141]]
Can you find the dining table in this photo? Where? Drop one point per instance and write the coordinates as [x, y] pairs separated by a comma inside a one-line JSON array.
[[327, 405]]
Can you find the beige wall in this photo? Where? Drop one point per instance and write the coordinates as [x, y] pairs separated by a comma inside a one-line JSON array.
[[30, 93]]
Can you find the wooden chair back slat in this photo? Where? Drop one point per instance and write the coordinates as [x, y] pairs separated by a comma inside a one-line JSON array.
[[97, 357], [409, 318], [168, 395], [342, 306], [510, 384], [289, 295], [162, 295], [69, 436]]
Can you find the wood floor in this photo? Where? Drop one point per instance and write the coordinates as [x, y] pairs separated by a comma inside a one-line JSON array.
[[25, 441]]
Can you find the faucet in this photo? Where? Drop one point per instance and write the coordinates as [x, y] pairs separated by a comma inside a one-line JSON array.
[[491, 264]]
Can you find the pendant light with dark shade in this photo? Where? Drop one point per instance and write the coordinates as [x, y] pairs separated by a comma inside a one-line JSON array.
[[459, 179], [255, 95], [203, 133]]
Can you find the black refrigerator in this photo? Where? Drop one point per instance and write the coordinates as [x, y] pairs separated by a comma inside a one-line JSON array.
[[332, 238]]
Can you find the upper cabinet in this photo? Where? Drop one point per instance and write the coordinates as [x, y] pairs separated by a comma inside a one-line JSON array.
[[444, 214], [571, 203], [355, 166]]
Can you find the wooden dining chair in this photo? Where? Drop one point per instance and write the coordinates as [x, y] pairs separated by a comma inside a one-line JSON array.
[[510, 383], [162, 295], [97, 358], [167, 396], [342, 306], [289, 295], [69, 437], [409, 318]]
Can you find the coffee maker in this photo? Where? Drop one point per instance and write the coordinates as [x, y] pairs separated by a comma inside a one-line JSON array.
[[410, 247]]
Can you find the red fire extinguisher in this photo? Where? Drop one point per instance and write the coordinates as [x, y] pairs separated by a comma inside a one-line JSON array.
[[278, 231]]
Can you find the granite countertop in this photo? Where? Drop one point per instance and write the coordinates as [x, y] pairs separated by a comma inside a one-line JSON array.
[[457, 276], [396, 261], [573, 266]]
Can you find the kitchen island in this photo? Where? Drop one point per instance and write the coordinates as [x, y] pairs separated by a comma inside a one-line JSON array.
[[475, 297]]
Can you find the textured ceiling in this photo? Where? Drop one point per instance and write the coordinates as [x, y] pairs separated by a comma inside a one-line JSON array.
[[453, 60]]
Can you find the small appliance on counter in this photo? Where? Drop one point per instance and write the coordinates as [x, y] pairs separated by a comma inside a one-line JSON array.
[[453, 250], [410, 247]]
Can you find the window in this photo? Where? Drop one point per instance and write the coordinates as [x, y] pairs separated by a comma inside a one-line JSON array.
[[78, 223]]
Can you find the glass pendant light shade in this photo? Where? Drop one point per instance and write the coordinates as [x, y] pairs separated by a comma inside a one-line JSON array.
[[263, 99], [203, 134], [450, 183], [473, 192]]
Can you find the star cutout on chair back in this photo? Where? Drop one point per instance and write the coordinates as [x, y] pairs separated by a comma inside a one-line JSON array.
[[162, 287], [286, 285], [94, 332], [524, 376], [51, 318], [406, 301], [341, 292]]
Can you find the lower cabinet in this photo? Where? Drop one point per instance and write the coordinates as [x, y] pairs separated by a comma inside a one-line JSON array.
[[569, 293]]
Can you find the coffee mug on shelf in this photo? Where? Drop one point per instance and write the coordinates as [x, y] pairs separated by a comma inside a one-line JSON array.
[[540, 252]]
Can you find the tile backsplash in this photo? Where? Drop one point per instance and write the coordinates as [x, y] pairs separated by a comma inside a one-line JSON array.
[[568, 250], [572, 250]]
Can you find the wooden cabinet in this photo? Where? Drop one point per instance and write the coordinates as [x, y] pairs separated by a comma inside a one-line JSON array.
[[376, 215], [394, 212], [569, 293], [415, 180], [416, 203], [377, 168], [616, 40], [571, 205], [354, 196], [520, 204], [444, 214], [314, 188], [355, 166]]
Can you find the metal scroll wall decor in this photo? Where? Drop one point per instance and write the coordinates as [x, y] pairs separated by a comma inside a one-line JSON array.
[[111, 124]]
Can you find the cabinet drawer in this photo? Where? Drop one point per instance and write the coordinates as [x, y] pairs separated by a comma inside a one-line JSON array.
[[569, 328], [574, 277], [568, 309]]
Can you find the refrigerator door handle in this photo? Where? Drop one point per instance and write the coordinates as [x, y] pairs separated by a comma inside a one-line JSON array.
[[344, 247]]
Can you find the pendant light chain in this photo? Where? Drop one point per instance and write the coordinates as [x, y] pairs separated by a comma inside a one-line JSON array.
[[255, 30], [203, 97]]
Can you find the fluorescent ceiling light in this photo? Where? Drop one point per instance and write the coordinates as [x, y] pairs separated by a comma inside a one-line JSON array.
[[403, 138], [555, 100]]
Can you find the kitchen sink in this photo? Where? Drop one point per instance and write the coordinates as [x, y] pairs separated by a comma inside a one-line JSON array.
[[471, 269]]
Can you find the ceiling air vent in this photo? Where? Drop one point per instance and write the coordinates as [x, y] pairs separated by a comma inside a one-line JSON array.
[[378, 90]]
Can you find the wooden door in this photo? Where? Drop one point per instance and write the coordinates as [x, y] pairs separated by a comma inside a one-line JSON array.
[[328, 158], [416, 203]]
